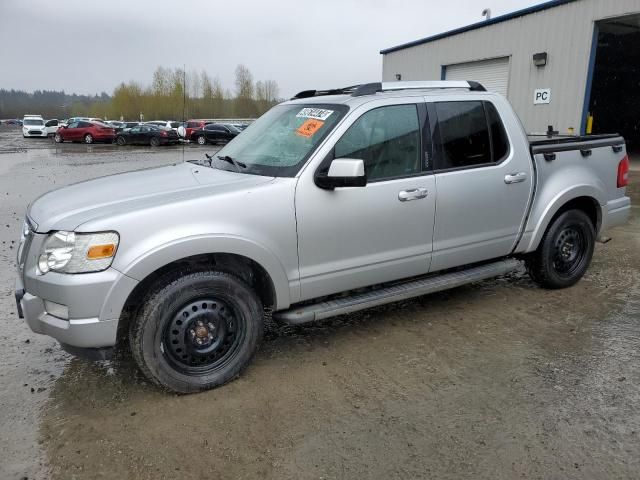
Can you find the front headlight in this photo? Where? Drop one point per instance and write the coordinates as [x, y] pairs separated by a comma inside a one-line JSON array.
[[70, 252]]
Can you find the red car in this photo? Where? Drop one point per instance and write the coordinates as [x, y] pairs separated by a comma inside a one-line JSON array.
[[84, 131], [193, 125]]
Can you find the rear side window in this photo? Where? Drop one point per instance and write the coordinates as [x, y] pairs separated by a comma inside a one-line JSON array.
[[469, 134], [464, 135], [499, 141], [84, 125]]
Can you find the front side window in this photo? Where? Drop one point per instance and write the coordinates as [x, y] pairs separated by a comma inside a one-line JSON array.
[[73, 125], [387, 139], [279, 142]]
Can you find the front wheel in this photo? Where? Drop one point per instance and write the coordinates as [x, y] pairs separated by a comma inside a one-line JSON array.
[[88, 139], [197, 332], [58, 138], [120, 141], [202, 140], [565, 251], [154, 141]]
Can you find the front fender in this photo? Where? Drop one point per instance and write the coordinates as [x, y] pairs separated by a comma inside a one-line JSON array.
[[548, 205], [175, 250]]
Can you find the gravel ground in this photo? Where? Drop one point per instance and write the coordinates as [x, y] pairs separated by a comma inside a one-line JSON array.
[[496, 380]]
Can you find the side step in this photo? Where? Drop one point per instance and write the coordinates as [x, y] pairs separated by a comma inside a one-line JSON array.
[[395, 293]]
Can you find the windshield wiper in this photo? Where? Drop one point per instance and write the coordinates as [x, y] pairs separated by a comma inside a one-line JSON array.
[[233, 162]]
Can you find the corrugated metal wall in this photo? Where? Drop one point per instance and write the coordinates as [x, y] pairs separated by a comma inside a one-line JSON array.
[[564, 32]]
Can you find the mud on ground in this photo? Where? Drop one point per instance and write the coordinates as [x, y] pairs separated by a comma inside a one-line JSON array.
[[496, 380]]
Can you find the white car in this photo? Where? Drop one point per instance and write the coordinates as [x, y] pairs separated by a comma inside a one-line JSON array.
[[33, 126], [52, 126]]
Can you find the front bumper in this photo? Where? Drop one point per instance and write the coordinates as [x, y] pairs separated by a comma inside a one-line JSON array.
[[35, 133], [89, 332]]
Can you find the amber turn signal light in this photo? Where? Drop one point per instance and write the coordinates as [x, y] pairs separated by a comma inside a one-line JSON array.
[[97, 252]]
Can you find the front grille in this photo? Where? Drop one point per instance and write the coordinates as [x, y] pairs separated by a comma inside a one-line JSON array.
[[35, 132]]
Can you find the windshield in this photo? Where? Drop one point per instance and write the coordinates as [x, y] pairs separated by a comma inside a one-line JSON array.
[[279, 142], [33, 121]]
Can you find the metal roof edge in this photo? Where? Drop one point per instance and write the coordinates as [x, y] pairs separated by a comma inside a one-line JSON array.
[[474, 26]]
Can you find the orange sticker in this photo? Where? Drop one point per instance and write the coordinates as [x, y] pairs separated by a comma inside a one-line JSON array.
[[309, 127]]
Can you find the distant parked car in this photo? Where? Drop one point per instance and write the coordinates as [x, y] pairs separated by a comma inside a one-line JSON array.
[[52, 126], [130, 125], [195, 124], [116, 125], [215, 133], [157, 123], [74, 119], [240, 126], [33, 126], [147, 135], [85, 131]]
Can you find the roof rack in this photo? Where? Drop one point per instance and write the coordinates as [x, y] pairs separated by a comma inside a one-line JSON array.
[[373, 88]]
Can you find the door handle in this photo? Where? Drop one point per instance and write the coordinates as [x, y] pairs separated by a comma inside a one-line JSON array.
[[412, 194], [515, 178]]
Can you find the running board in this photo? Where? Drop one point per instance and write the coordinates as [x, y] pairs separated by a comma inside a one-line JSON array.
[[395, 293]]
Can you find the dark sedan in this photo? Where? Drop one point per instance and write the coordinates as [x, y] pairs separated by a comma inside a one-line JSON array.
[[214, 133], [147, 135]]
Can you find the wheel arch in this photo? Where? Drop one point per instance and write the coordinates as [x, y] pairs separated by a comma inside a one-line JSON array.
[[248, 269], [582, 198]]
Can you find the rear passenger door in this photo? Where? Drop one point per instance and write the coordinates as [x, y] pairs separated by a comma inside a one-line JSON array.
[[483, 183]]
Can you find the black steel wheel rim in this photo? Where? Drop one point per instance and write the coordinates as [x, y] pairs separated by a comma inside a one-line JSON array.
[[569, 251], [203, 335]]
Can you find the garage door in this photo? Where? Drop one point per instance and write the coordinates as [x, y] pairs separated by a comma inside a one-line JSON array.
[[493, 74]]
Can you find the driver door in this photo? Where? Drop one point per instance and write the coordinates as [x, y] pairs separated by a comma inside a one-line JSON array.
[[71, 132], [358, 236]]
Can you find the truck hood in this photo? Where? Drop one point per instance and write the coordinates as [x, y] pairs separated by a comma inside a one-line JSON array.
[[69, 207]]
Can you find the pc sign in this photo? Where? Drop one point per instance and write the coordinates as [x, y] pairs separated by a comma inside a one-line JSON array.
[[541, 96]]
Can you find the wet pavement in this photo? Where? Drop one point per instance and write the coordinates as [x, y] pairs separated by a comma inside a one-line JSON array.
[[496, 380]]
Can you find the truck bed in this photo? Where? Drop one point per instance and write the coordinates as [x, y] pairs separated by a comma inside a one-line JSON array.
[[563, 143]]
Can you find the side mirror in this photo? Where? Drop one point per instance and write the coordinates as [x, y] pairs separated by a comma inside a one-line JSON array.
[[343, 172]]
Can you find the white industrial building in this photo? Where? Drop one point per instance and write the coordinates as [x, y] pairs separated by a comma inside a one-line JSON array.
[[559, 63]]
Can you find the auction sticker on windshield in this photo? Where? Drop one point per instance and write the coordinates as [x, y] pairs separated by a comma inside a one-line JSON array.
[[309, 127], [317, 113]]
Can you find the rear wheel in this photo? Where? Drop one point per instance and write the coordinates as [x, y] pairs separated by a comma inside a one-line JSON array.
[[565, 251], [120, 141], [88, 138], [202, 140], [154, 142], [197, 331], [58, 138]]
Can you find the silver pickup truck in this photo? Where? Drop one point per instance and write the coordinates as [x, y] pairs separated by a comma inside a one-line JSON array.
[[330, 203]]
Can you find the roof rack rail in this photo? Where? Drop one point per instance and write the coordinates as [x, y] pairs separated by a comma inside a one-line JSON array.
[[319, 93], [373, 88]]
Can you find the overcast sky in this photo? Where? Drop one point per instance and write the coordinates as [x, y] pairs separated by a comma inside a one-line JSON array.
[[90, 46]]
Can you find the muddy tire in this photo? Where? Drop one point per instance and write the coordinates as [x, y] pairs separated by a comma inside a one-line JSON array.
[[58, 138], [196, 331], [201, 140], [154, 142], [88, 139], [565, 251], [121, 141]]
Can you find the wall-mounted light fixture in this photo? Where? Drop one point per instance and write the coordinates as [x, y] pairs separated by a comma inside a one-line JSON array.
[[398, 76], [540, 59]]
